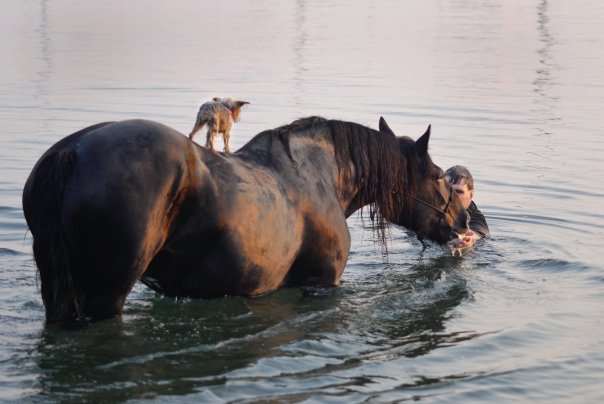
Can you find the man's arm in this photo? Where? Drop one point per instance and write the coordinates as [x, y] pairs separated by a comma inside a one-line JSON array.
[[478, 229]]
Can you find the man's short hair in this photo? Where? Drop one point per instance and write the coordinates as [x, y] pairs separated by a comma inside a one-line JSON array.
[[456, 174]]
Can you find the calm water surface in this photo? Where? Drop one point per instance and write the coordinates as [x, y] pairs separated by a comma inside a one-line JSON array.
[[513, 89]]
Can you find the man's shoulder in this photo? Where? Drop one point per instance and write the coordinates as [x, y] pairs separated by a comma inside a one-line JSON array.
[[478, 222]]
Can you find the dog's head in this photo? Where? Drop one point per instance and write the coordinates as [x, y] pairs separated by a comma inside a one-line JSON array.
[[234, 105]]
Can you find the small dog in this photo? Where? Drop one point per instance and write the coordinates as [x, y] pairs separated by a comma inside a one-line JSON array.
[[219, 114]]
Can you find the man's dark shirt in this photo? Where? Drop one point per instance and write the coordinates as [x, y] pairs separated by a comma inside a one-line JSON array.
[[478, 223]]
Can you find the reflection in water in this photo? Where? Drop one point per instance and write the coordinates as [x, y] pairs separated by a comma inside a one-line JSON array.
[[188, 346], [298, 47], [188, 343], [544, 78], [544, 102], [415, 322], [45, 67]]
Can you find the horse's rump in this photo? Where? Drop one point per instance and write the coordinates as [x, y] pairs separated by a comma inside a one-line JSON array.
[[99, 205]]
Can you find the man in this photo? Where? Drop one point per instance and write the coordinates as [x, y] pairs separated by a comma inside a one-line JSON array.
[[463, 184]]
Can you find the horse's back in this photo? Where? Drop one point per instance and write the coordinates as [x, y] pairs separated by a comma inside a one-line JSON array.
[[140, 142]]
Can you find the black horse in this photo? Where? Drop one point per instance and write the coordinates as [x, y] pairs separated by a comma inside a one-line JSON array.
[[135, 200]]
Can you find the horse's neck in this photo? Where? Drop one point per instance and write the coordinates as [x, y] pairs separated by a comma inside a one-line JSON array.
[[310, 156], [318, 157]]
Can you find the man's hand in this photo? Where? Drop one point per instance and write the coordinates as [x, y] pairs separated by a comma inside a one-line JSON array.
[[468, 240]]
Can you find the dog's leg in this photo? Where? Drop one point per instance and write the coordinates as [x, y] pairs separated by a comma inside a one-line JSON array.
[[226, 136], [210, 137]]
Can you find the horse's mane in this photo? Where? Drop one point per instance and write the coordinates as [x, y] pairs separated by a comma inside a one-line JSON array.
[[379, 159]]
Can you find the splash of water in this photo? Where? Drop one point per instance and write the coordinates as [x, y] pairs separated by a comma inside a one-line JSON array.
[[455, 251]]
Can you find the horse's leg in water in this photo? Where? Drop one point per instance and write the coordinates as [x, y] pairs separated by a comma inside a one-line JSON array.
[[111, 250], [323, 256]]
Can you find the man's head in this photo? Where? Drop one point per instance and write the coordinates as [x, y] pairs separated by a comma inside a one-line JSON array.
[[462, 182]]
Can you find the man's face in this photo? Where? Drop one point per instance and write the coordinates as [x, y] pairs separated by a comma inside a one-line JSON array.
[[463, 192]]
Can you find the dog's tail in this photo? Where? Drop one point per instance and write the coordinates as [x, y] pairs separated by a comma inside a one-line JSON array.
[[198, 125]]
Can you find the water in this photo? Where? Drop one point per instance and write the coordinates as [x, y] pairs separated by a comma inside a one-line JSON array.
[[513, 89]]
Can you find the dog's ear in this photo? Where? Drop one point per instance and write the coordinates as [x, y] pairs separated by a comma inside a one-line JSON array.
[[236, 109], [384, 127], [216, 99]]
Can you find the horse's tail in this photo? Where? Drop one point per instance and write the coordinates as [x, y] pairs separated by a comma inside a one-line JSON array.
[[42, 201], [42, 206]]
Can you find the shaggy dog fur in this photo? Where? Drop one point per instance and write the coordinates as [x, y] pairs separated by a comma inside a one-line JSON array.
[[219, 114]]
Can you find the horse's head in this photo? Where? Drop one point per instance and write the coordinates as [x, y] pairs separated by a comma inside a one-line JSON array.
[[431, 208]]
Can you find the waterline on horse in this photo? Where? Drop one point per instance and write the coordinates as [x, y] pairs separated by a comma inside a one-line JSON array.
[[123, 201]]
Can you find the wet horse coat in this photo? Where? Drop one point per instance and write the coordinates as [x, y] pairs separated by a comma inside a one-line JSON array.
[[118, 202]]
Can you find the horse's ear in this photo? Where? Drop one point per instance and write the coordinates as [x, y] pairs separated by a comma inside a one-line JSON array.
[[384, 127], [421, 145]]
